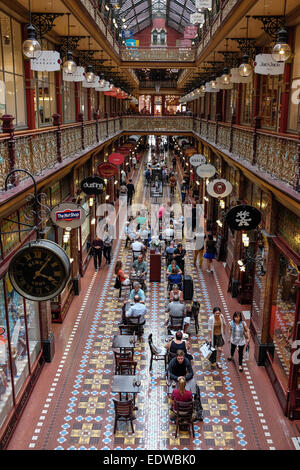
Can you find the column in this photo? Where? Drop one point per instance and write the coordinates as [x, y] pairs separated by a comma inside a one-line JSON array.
[[77, 101], [58, 92], [29, 93], [47, 336], [89, 104]]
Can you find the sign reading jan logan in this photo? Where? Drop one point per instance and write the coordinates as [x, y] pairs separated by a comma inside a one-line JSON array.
[[49, 61], [266, 65]]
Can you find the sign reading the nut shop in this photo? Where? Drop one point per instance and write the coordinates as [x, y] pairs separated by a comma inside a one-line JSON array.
[[93, 185], [68, 215]]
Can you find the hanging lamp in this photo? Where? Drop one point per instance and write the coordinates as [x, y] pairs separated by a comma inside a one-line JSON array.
[[245, 69], [31, 47], [281, 51], [69, 66]]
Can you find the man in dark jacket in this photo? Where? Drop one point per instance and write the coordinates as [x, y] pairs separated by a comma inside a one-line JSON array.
[[180, 366]]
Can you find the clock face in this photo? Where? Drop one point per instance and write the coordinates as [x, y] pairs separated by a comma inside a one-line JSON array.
[[39, 270]]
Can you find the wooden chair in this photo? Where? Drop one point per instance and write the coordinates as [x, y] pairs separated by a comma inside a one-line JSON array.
[[156, 355], [127, 367], [120, 357], [123, 412], [175, 323], [137, 327], [121, 286], [184, 415]]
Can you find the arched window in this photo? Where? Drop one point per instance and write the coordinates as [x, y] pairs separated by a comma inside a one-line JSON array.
[[163, 36], [154, 37]]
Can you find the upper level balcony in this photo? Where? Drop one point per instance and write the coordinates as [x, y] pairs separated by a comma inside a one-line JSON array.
[[271, 157]]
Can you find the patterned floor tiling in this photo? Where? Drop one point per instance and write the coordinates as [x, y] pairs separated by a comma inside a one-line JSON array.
[[82, 417]]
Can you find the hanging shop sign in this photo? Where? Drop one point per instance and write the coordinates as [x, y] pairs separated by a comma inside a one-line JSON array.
[[93, 185], [39, 270], [77, 76], [206, 171], [116, 158], [68, 215], [243, 217], [201, 4], [48, 61], [127, 33], [197, 159], [219, 188], [265, 65], [197, 18], [107, 170], [190, 32]]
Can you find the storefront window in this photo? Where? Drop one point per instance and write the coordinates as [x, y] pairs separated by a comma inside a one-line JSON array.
[[283, 316], [230, 103], [11, 71], [6, 397], [213, 106], [45, 102], [246, 103], [83, 101], [269, 100], [69, 101]]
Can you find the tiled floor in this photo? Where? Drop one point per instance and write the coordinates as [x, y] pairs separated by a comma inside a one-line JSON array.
[[71, 406]]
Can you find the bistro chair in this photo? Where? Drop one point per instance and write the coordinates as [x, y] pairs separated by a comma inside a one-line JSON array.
[[121, 287], [184, 415], [175, 324], [123, 412], [127, 367], [120, 357], [156, 354]]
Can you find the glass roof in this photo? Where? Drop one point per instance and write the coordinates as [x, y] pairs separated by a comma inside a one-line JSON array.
[[138, 14]]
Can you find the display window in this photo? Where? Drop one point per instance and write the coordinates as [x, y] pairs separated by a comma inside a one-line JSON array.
[[270, 100], [246, 103], [69, 101], [20, 343], [283, 316]]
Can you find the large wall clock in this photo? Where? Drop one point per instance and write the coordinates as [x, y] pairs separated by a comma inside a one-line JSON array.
[[39, 270]]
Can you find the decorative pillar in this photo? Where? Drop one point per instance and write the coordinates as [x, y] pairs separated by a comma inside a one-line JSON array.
[[238, 103], [285, 95], [56, 122], [163, 103], [58, 92], [152, 104], [77, 101], [89, 104], [9, 128], [29, 93], [96, 118], [75, 276], [80, 119], [257, 125]]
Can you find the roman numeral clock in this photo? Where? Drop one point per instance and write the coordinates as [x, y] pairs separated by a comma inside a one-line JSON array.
[[39, 270]]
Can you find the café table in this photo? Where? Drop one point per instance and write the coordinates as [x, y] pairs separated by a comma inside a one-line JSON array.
[[125, 384], [123, 342]]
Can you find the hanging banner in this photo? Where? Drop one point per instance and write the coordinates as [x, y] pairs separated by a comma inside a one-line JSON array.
[[219, 188], [265, 65], [235, 77], [132, 42], [197, 18], [77, 76], [243, 217], [107, 170], [190, 32], [48, 61], [206, 170], [93, 185], [201, 4], [197, 159], [116, 158], [127, 33]]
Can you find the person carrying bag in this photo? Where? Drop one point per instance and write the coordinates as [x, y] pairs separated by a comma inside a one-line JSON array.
[[239, 337]]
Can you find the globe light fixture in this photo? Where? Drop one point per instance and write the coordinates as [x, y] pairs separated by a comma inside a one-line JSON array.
[[225, 78], [281, 51], [31, 47], [69, 66], [203, 88], [245, 69], [89, 74], [213, 83]]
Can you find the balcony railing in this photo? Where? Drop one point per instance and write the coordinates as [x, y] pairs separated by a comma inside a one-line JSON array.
[[158, 54], [41, 150], [269, 155]]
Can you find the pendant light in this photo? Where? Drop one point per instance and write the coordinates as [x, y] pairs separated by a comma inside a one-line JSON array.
[[31, 47], [69, 66], [282, 51], [203, 88], [89, 74], [225, 78], [245, 69]]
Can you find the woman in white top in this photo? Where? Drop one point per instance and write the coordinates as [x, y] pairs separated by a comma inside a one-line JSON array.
[[217, 327], [239, 336]]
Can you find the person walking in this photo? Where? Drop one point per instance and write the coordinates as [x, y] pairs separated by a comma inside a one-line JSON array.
[[174, 161], [210, 252], [130, 192], [97, 248], [183, 190], [239, 337], [134, 161], [107, 245], [217, 327], [172, 183]]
